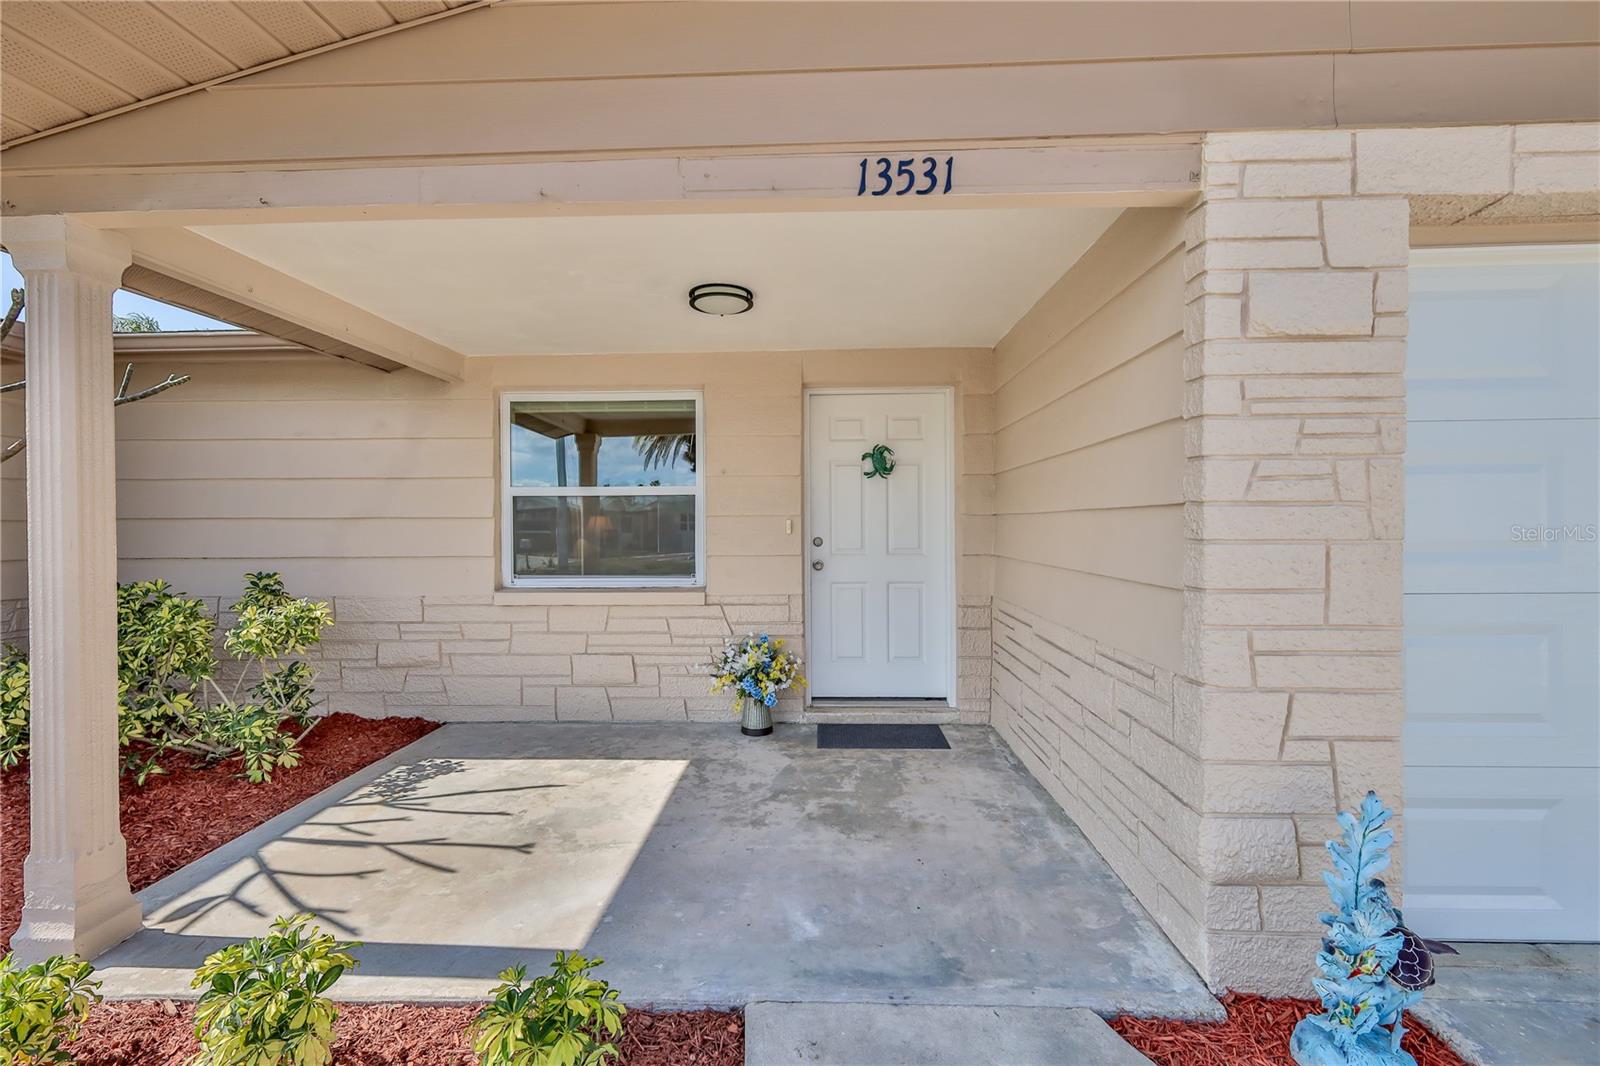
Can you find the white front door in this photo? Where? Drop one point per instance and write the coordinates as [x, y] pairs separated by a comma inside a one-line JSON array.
[[878, 549], [1502, 606]]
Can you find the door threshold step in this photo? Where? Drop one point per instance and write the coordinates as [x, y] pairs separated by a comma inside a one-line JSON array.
[[882, 712], [878, 1034]]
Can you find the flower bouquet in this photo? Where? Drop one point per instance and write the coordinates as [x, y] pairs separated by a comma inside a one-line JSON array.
[[756, 669]]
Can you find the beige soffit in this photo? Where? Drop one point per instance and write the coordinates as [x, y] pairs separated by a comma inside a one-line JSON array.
[[65, 63]]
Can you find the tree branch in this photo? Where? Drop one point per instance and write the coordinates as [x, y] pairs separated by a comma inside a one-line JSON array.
[[122, 396], [11, 314], [172, 382]]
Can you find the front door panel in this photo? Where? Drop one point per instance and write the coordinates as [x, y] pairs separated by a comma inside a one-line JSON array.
[[880, 602]]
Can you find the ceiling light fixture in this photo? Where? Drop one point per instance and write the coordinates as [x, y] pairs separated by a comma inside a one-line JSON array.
[[721, 298]]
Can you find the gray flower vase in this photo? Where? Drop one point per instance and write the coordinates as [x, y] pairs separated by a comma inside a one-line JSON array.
[[755, 718]]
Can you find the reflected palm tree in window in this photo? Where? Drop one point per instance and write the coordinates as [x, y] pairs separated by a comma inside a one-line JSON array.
[[665, 449]]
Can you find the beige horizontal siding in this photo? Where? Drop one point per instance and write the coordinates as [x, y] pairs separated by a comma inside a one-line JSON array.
[[1136, 469], [1088, 609], [1127, 543], [221, 575], [1088, 445], [381, 491], [304, 538], [192, 418], [702, 78], [359, 483], [13, 501], [1132, 396], [167, 460], [308, 497]]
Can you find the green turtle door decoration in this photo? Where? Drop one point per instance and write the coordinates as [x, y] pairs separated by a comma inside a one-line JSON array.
[[882, 457]]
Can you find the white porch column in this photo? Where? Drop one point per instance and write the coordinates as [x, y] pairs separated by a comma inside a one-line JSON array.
[[75, 881]]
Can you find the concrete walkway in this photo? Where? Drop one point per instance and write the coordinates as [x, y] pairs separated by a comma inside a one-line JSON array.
[[862, 1034], [1518, 1004], [706, 868]]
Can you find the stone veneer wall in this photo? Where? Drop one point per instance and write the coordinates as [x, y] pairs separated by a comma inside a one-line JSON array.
[[1211, 783], [1097, 727], [462, 658], [1290, 697], [1291, 691]]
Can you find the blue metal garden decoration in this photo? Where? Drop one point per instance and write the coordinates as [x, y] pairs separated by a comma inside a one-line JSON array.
[[1372, 966]]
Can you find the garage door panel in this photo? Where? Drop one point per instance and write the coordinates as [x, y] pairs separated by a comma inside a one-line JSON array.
[[1502, 506], [1502, 680], [1502, 854], [1502, 605], [1504, 333]]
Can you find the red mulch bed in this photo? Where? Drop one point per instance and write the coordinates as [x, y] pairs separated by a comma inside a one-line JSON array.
[[1255, 1034], [382, 1034], [176, 817]]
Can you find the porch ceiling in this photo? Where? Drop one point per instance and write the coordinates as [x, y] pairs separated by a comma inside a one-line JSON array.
[[597, 284], [68, 62]]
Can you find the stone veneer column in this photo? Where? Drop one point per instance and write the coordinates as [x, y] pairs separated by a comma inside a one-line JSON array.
[[1295, 431], [75, 880]]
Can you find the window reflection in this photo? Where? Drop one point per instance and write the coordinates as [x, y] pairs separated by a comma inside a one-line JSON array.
[[623, 443], [603, 536]]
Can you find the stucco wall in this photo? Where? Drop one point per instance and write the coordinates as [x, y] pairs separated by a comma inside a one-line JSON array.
[[1088, 602], [380, 492]]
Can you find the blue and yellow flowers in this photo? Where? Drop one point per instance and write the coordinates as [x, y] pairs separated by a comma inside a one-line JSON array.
[[756, 668]]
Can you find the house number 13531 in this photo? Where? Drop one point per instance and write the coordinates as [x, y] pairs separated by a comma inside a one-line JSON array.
[[902, 177]]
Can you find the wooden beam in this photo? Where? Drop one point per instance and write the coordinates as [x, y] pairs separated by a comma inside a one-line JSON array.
[[205, 264], [1136, 172]]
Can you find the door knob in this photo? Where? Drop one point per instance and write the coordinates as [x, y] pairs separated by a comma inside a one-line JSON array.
[[816, 564]]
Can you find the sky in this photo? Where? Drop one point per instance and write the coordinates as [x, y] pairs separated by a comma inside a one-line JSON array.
[[172, 319]]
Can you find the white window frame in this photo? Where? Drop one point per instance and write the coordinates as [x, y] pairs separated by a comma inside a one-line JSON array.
[[508, 493]]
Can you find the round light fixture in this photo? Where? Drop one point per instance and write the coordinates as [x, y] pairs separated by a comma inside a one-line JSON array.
[[721, 298]]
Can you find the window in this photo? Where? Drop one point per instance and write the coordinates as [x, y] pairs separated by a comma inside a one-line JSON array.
[[602, 489]]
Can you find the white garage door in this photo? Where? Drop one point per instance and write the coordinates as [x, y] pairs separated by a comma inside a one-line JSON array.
[[1502, 577]]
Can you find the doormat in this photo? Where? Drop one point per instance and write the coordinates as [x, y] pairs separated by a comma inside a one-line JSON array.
[[846, 735]]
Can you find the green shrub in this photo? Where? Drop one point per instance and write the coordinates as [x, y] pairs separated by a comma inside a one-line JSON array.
[[169, 698], [165, 655], [565, 1019], [263, 1003], [42, 1007], [13, 707]]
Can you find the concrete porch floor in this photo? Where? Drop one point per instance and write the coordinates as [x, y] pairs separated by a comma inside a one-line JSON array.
[[706, 868], [1518, 1004]]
